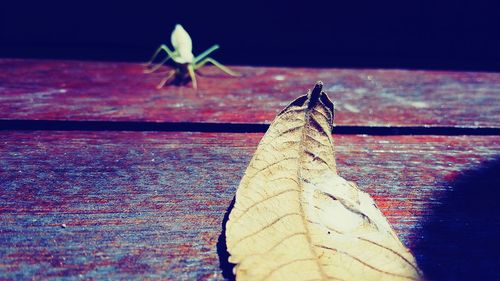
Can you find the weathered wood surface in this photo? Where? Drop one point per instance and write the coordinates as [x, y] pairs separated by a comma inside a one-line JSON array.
[[138, 205], [70, 90]]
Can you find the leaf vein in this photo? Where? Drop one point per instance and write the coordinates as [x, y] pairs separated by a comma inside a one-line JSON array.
[[281, 266], [264, 228], [363, 262], [269, 165], [262, 201]]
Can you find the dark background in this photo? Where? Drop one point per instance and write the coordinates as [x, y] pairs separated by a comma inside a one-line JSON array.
[[460, 35]]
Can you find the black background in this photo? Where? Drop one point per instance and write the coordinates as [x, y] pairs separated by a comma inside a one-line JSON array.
[[461, 35]]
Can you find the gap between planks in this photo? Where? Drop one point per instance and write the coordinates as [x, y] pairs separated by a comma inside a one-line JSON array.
[[56, 125]]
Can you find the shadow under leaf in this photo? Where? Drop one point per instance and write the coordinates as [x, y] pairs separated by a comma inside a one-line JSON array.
[[224, 264], [460, 240]]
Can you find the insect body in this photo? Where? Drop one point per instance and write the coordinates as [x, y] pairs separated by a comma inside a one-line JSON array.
[[182, 55]]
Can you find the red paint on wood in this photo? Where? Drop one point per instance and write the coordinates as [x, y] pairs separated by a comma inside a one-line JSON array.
[[71, 90]]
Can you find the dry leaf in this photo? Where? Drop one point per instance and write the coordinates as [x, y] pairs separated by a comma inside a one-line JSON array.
[[294, 218]]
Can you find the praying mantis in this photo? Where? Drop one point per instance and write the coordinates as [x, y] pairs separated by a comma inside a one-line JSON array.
[[186, 64]]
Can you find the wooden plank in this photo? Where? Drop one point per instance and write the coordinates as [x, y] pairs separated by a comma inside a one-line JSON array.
[[125, 205], [72, 90]]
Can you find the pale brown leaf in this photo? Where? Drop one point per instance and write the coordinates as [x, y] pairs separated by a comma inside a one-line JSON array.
[[294, 218]]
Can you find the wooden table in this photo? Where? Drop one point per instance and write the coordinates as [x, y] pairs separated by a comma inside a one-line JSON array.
[[103, 176]]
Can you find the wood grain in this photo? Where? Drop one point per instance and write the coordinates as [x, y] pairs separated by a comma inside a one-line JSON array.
[[150, 205], [71, 90]]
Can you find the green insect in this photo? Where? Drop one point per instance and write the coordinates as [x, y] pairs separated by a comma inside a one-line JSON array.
[[186, 64]]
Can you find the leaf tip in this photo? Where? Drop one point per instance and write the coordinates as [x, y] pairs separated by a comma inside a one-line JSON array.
[[319, 85], [315, 94]]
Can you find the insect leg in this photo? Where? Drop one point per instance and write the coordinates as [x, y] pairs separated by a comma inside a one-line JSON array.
[[206, 53], [166, 79], [192, 75], [217, 64], [149, 64]]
